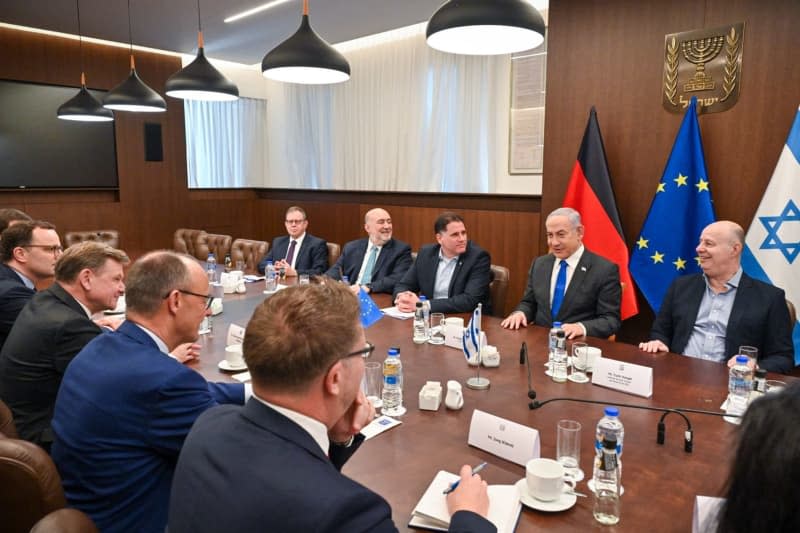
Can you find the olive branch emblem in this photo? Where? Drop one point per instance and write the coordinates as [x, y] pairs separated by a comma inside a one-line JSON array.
[[732, 50], [671, 71]]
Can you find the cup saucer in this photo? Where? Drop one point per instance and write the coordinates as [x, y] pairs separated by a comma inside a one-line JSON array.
[[574, 378], [223, 365], [562, 504]]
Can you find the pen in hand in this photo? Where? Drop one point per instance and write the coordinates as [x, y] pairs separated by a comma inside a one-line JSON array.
[[453, 485]]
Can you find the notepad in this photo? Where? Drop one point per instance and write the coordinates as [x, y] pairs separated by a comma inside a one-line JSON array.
[[431, 510]]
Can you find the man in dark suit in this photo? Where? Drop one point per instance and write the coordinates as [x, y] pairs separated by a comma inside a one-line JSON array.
[[299, 252], [125, 407], [54, 326], [710, 315], [454, 275], [375, 263], [582, 292], [28, 251], [275, 464]]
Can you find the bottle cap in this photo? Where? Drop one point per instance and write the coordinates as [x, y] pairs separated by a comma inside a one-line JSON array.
[[422, 298], [393, 352], [611, 411], [742, 359], [556, 324]]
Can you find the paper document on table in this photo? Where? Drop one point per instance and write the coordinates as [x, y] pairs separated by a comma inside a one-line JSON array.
[[431, 510], [378, 426], [394, 312], [250, 278], [704, 518], [243, 377]]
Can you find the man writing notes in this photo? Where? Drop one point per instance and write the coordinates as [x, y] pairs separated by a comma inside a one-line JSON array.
[[454, 274], [125, 406], [377, 262], [570, 285], [710, 315], [274, 465], [298, 252], [28, 252]]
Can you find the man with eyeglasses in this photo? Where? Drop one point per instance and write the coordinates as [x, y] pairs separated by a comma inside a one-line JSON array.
[[28, 252], [283, 451], [125, 407], [298, 252]]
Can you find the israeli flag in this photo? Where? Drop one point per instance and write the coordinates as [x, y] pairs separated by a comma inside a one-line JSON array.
[[772, 244], [471, 339]]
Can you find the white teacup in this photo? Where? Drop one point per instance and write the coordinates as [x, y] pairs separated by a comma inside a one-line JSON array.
[[546, 479], [592, 355], [455, 397], [233, 356]]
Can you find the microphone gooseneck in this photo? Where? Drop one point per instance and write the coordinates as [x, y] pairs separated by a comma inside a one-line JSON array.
[[523, 352]]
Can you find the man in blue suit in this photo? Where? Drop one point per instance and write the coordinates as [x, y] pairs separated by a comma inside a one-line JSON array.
[[274, 465], [28, 252], [454, 275], [125, 407], [375, 263], [298, 252]]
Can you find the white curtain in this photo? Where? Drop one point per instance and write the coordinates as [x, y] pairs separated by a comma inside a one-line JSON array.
[[226, 143]]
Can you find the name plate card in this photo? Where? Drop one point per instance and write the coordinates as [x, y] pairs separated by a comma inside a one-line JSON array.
[[503, 438], [235, 335], [453, 336], [624, 377]]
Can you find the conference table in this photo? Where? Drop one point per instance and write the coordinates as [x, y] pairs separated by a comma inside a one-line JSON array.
[[660, 481]]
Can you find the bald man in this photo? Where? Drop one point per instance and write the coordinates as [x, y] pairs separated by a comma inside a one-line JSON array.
[[391, 257], [710, 315]]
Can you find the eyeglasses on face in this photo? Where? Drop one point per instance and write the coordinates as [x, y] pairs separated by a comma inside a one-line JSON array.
[[364, 352], [48, 248], [209, 298], [294, 222]]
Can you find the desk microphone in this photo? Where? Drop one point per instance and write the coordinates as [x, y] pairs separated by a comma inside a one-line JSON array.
[[523, 354]]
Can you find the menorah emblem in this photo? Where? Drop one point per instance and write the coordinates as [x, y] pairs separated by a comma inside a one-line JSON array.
[[699, 52]]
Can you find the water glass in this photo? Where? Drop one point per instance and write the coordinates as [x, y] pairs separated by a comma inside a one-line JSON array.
[[372, 383], [437, 329], [303, 279], [749, 351], [240, 265], [568, 447], [580, 354]]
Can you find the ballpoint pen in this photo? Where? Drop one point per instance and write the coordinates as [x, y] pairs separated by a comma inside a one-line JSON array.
[[453, 485]]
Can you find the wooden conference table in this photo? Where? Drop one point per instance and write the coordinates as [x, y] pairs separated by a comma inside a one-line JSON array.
[[660, 481]]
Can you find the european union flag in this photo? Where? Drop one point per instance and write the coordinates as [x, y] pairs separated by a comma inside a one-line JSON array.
[[680, 210], [369, 311]]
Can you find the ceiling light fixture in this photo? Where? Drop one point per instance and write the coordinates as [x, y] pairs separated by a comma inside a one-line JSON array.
[[83, 107], [305, 58], [133, 94], [485, 27], [199, 80], [259, 9]]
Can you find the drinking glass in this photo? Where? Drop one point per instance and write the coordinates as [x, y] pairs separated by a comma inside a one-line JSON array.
[[749, 351], [568, 447], [303, 279], [579, 358], [372, 383], [437, 329], [240, 265]]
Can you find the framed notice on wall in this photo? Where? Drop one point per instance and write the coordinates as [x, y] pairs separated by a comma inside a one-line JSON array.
[[526, 119]]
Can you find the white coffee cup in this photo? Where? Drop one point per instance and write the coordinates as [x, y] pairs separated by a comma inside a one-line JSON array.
[[546, 479], [592, 355], [233, 356]]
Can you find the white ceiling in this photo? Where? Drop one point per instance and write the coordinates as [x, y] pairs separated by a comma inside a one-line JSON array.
[[172, 24]]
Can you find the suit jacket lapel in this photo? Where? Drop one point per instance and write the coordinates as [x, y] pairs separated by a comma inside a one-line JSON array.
[[59, 292], [581, 271], [456, 271], [543, 281], [271, 420], [385, 251], [745, 284]]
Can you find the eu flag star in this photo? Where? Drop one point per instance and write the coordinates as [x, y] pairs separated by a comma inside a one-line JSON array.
[[657, 257], [680, 264], [701, 185], [680, 180], [642, 242], [660, 187], [697, 259]]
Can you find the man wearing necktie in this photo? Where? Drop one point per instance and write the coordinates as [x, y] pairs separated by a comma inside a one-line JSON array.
[[570, 285], [377, 262], [298, 252]]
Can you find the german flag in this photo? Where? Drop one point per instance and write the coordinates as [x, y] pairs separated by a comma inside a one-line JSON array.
[[590, 193]]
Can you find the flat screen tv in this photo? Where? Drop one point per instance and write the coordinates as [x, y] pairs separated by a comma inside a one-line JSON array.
[[39, 151]]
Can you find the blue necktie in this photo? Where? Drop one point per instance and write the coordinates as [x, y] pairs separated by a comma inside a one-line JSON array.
[[367, 277], [561, 286]]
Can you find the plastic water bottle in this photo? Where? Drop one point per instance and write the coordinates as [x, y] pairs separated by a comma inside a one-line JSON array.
[[607, 484], [609, 427], [559, 368], [420, 332], [228, 263], [270, 275], [211, 267], [551, 346], [426, 314], [740, 383], [392, 393]]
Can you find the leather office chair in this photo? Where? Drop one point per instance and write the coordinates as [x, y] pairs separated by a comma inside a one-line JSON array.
[[792, 313], [219, 245], [108, 236], [65, 521], [249, 251], [31, 486], [333, 253], [7, 426], [498, 288], [185, 241]]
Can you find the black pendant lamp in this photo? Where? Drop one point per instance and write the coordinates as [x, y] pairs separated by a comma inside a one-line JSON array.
[[133, 94], [485, 27], [305, 58], [199, 80], [83, 107]]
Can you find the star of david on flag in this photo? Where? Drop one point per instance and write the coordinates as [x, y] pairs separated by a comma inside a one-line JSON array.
[[681, 208], [471, 338], [773, 239]]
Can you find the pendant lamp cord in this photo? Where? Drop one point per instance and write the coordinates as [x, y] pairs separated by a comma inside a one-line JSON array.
[[80, 41], [130, 35], [305, 7], [199, 28]]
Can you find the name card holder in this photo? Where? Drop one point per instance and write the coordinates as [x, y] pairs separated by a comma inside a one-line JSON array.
[[624, 377], [503, 438], [235, 335]]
